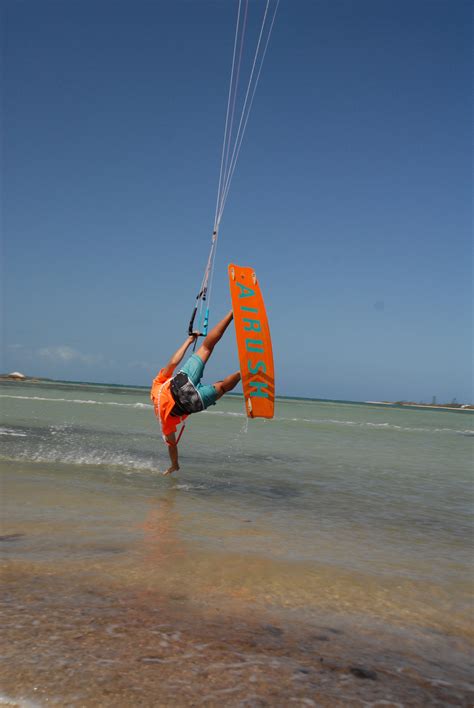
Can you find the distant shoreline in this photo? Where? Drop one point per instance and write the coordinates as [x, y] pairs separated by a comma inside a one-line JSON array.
[[459, 407], [444, 407]]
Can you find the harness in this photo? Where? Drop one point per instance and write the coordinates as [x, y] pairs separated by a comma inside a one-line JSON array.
[[186, 397]]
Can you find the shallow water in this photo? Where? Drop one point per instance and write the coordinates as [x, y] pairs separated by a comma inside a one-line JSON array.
[[347, 516]]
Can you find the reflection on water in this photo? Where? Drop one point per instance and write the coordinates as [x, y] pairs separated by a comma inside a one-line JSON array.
[[161, 541]]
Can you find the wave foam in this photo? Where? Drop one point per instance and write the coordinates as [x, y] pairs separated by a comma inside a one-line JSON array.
[[367, 424], [313, 421], [89, 402], [12, 433], [92, 458], [19, 702]]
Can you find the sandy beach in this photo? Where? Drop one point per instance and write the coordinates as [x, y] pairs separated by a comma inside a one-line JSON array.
[[77, 641]]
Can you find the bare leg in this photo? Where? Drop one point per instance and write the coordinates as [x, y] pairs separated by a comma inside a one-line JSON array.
[[227, 384], [205, 350]]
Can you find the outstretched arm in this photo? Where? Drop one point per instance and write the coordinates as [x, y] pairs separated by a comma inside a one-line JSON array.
[[179, 354]]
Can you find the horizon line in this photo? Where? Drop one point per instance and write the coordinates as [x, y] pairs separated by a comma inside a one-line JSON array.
[[393, 404]]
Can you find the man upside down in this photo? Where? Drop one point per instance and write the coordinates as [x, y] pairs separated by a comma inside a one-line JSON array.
[[176, 396]]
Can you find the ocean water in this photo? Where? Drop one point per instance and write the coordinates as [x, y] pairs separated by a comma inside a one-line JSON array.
[[353, 516]]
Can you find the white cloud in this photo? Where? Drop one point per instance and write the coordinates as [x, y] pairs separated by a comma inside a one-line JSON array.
[[64, 353], [140, 365]]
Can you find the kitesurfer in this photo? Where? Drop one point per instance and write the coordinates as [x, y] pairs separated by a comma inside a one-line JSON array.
[[177, 396]]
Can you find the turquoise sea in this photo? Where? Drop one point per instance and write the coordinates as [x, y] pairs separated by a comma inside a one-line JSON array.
[[336, 538]]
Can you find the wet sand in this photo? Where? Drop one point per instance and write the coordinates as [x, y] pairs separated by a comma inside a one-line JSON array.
[[80, 641]]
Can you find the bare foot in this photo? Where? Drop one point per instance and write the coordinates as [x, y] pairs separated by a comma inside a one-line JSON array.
[[173, 468]]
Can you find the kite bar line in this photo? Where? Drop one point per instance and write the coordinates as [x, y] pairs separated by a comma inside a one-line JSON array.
[[229, 118], [232, 143], [246, 109], [202, 295]]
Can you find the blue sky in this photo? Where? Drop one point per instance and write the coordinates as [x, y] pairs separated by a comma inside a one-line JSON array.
[[352, 197]]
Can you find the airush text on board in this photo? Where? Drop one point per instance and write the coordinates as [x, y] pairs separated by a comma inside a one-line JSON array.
[[254, 343]]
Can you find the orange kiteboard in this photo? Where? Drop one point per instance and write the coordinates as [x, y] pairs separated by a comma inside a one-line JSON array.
[[253, 342]]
